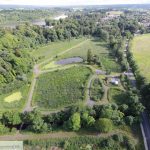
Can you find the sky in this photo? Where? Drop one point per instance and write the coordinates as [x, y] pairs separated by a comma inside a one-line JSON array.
[[72, 2]]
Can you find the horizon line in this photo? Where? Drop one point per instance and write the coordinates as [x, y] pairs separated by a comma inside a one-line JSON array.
[[74, 5]]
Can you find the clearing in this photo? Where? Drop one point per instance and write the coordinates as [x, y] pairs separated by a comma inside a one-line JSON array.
[[140, 47], [61, 88]]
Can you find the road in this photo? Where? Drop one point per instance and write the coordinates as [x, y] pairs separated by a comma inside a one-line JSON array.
[[146, 127]]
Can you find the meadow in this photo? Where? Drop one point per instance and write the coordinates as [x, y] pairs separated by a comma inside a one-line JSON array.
[[97, 48], [61, 88], [52, 49], [140, 47]]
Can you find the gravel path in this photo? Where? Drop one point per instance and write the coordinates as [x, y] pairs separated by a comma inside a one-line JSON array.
[[59, 134], [90, 102]]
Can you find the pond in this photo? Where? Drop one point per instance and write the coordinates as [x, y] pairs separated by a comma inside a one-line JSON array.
[[69, 61]]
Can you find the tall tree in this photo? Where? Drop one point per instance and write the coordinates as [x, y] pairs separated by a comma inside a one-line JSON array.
[[75, 122], [89, 56]]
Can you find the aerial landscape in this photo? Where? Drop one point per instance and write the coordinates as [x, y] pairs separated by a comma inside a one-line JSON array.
[[75, 75]]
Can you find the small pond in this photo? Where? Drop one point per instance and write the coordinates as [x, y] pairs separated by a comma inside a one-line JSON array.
[[69, 61]]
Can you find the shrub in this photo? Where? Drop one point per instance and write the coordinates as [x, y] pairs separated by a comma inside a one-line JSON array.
[[104, 125]]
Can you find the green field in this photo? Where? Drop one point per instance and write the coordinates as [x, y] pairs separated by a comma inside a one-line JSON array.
[[97, 48], [14, 100], [140, 47], [117, 96], [52, 49], [61, 88]]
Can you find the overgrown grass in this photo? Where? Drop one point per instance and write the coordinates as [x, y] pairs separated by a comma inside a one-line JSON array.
[[96, 90], [52, 49], [140, 47], [61, 88], [97, 48], [83, 143], [117, 96]]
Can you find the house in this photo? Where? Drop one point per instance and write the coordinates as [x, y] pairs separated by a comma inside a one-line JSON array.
[[114, 81]]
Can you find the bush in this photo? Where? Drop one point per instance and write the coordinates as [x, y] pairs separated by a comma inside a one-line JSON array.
[[74, 122], [104, 125]]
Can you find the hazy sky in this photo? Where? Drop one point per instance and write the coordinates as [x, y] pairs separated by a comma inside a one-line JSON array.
[[72, 2]]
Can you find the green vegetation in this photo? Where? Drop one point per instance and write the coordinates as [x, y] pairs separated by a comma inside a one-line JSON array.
[[97, 48], [61, 88], [115, 141], [96, 90], [10, 102], [75, 122], [52, 49], [104, 125], [141, 53]]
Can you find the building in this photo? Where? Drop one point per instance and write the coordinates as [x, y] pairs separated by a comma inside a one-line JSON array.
[[114, 81]]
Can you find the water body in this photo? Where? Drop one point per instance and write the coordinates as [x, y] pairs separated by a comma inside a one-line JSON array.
[[69, 61]]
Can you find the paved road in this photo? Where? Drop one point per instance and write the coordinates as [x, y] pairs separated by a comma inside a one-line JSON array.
[[146, 127]]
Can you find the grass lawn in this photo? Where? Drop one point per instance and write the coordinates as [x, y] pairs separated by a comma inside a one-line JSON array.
[[52, 49], [140, 47], [14, 100], [97, 48], [61, 88], [117, 96]]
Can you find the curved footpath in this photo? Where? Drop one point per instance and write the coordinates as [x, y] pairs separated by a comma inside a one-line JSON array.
[[90, 102]]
